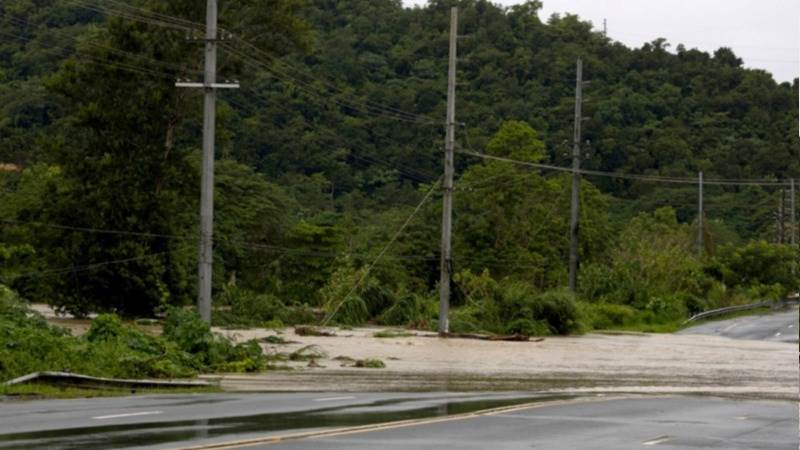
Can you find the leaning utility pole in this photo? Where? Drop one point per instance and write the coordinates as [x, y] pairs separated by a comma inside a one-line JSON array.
[[700, 243], [447, 197], [576, 181], [206, 257]]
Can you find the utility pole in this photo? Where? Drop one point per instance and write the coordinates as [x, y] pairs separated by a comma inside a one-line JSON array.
[[782, 218], [605, 28], [700, 243], [210, 85], [576, 181], [793, 223], [792, 212], [447, 197]]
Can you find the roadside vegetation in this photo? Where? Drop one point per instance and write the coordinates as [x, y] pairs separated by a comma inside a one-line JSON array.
[[113, 349]]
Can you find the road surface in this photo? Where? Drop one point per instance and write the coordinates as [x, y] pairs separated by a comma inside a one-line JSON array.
[[161, 422], [667, 423], [777, 327]]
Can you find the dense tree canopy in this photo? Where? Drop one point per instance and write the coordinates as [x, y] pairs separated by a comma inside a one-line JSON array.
[[336, 136]]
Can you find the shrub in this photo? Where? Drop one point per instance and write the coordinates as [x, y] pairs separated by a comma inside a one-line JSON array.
[[555, 308], [510, 306], [105, 327], [758, 264], [412, 310], [608, 315], [342, 298], [248, 308]]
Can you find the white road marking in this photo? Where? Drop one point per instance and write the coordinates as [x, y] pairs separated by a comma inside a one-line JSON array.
[[741, 418], [657, 440], [116, 416], [777, 334], [332, 399]]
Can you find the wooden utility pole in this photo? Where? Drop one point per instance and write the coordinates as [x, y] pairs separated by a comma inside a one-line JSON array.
[[793, 223], [447, 184], [792, 212], [210, 85], [782, 218], [576, 181], [700, 240]]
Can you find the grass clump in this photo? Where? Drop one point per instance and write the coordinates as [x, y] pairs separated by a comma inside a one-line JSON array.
[[275, 340], [306, 330], [392, 334], [369, 363], [308, 353]]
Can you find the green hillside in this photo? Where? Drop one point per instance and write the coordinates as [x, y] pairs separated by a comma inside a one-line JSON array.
[[334, 140]]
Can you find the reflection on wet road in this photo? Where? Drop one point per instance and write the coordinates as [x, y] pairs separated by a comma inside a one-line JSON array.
[[158, 430]]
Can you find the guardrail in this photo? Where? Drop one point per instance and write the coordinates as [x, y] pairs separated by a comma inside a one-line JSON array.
[[85, 381], [730, 309]]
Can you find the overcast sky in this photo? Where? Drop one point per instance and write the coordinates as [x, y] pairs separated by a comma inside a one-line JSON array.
[[764, 33]]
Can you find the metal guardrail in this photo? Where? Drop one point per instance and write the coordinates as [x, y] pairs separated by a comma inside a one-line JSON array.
[[85, 381], [730, 309]]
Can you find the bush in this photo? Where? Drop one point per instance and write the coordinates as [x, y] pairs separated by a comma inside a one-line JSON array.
[[112, 348], [758, 264], [411, 310], [248, 308], [192, 335], [603, 316], [509, 307], [555, 310]]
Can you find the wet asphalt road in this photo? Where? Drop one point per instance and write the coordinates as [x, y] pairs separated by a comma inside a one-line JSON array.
[[666, 423], [777, 327], [160, 422], [169, 421]]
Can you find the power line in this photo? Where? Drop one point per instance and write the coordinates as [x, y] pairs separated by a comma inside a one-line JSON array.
[[84, 268], [314, 92], [364, 104], [141, 15], [628, 176], [412, 173], [93, 230]]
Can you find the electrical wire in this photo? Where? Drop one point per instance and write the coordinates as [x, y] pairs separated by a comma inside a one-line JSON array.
[[83, 268], [628, 176]]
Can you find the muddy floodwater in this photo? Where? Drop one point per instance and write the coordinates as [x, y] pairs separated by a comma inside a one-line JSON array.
[[626, 362]]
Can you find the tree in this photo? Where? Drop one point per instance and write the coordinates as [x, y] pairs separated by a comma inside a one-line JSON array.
[[126, 162]]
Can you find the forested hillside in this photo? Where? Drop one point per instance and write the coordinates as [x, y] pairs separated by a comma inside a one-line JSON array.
[[333, 147]]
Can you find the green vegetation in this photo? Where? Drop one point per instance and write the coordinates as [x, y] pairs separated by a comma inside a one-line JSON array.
[[112, 349], [307, 353], [369, 363], [392, 334], [317, 170]]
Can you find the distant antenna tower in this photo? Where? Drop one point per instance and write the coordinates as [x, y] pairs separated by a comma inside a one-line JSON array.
[[605, 28]]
